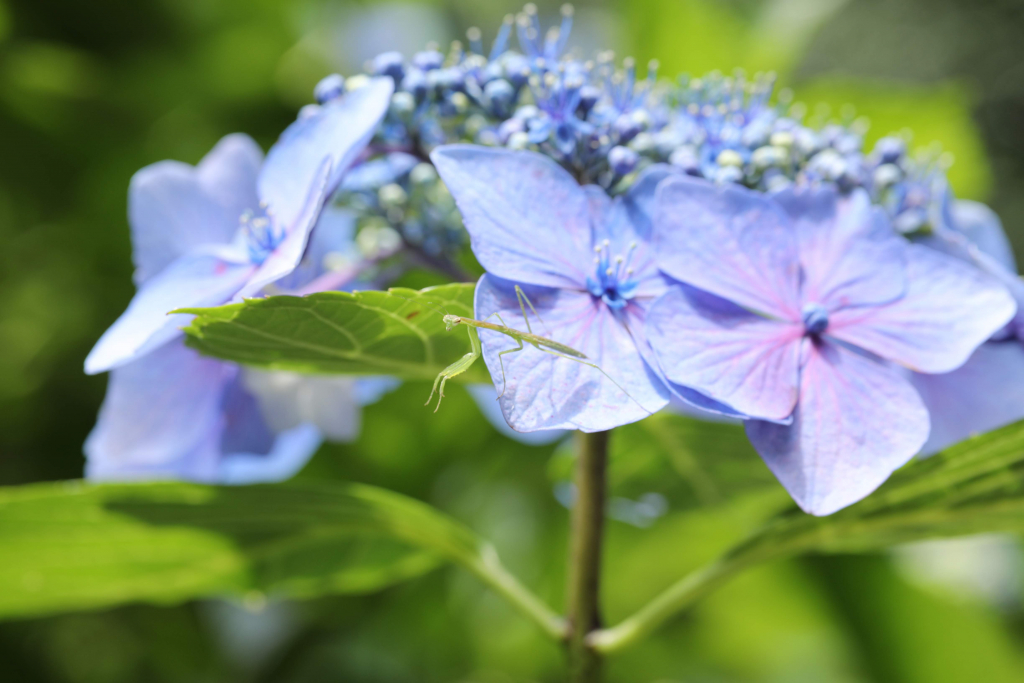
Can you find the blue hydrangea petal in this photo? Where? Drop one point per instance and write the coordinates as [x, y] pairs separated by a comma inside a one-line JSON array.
[[985, 393], [949, 309], [983, 228], [173, 207], [288, 254], [973, 233], [289, 399], [729, 241], [546, 392], [856, 422], [245, 429], [339, 130], [292, 449], [333, 234], [528, 219], [628, 221], [369, 390], [848, 250], [486, 399], [161, 418], [745, 361], [191, 281]]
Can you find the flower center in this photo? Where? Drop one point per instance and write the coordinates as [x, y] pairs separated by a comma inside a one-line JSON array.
[[262, 234], [815, 318], [613, 281]]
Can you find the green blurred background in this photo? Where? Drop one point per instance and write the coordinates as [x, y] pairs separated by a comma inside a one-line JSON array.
[[91, 92]]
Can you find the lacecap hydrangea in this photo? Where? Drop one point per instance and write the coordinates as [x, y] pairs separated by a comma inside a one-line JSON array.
[[582, 180]]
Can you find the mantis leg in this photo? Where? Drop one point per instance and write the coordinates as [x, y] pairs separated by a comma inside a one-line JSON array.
[[456, 368], [501, 361], [521, 297]]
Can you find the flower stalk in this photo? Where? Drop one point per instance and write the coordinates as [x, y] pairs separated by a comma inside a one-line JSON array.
[[583, 608]]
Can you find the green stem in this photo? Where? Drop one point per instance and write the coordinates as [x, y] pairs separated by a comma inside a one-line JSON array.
[[488, 568], [583, 607], [674, 599]]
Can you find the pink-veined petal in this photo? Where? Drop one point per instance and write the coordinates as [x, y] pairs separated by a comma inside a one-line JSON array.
[[948, 310], [542, 391], [730, 241], [849, 252], [856, 422], [747, 362]]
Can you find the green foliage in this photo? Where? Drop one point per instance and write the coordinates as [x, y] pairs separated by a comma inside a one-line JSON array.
[[399, 332], [698, 36], [974, 487], [73, 546]]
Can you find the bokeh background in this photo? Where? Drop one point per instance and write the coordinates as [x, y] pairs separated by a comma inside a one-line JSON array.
[[91, 92]]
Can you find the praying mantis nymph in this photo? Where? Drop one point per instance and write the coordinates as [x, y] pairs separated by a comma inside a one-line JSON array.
[[541, 343]]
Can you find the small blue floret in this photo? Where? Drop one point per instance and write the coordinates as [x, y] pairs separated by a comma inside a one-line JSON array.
[[815, 318]]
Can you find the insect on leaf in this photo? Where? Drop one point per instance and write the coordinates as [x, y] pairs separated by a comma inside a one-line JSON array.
[[399, 332]]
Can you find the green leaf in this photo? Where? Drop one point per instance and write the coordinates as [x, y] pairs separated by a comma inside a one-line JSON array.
[[974, 487], [75, 546], [399, 332]]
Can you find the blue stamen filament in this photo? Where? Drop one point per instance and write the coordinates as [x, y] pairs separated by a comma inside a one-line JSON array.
[[262, 234], [613, 282]]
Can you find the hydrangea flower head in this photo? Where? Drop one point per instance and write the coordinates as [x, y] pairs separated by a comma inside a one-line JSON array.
[[202, 236], [796, 311], [228, 227], [586, 263]]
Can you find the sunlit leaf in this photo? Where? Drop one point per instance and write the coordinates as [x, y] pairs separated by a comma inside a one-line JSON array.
[[399, 332], [974, 487]]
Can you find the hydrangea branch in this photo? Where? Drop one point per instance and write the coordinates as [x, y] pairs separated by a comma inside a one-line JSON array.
[[585, 554]]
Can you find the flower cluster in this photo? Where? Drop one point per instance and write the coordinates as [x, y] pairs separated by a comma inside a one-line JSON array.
[[702, 241]]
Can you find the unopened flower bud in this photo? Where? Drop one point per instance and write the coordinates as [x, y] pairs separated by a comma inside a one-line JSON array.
[[428, 60], [356, 82], [423, 174], [389, 64], [391, 195], [328, 88], [685, 159], [890, 149], [887, 175], [730, 158], [765, 157], [622, 160], [518, 141], [402, 103]]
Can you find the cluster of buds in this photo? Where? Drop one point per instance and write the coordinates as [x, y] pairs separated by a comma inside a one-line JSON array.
[[602, 123]]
